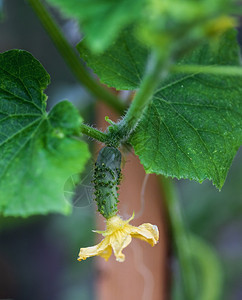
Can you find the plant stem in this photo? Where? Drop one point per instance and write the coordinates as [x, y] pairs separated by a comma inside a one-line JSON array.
[[94, 133], [157, 70], [181, 239], [72, 59], [213, 69]]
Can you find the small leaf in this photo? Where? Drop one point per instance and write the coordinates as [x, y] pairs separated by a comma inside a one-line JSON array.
[[193, 127], [122, 65], [38, 150], [101, 20]]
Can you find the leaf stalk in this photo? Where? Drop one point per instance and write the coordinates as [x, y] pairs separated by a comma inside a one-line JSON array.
[[94, 133], [157, 69]]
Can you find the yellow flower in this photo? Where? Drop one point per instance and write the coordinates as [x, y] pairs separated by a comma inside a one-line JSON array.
[[117, 236]]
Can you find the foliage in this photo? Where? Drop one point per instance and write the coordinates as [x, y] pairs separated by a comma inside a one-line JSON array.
[[197, 115], [185, 124], [101, 20], [180, 125], [192, 129], [38, 150], [123, 64]]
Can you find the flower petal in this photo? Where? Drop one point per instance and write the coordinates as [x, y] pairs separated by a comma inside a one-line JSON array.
[[119, 241], [106, 253], [99, 249], [130, 219], [146, 232], [118, 235]]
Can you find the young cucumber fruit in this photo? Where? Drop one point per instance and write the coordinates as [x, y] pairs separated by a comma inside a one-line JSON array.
[[107, 177]]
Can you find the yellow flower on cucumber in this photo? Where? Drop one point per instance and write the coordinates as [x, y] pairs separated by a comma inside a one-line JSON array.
[[117, 236]]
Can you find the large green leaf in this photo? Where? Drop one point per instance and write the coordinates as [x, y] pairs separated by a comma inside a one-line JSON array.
[[122, 65], [38, 151], [193, 127], [101, 20]]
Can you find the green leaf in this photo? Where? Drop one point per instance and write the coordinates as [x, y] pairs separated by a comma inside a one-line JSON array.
[[101, 20], [38, 150], [193, 127], [122, 65]]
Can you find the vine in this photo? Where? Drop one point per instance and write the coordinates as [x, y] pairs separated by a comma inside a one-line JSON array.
[[183, 62]]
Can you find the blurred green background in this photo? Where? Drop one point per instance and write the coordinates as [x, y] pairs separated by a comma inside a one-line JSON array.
[[215, 217], [38, 254]]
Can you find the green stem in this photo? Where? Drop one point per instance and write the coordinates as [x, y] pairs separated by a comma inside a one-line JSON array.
[[157, 70], [72, 58], [181, 239], [94, 133], [213, 69]]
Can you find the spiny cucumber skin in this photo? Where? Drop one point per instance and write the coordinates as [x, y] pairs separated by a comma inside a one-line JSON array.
[[107, 176]]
